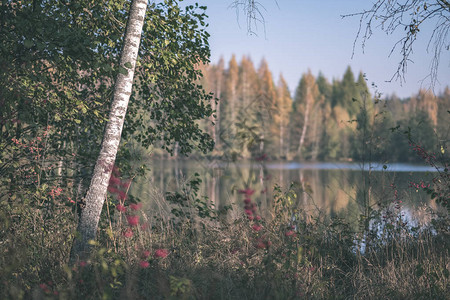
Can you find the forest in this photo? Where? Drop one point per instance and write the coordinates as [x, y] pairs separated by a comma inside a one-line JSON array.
[[323, 121], [94, 93]]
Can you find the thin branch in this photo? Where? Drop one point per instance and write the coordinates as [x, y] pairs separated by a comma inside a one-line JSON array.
[[252, 10], [393, 15]]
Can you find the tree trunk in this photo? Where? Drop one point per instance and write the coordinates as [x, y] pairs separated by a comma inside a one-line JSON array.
[[281, 137], [305, 125], [233, 111], [217, 107], [215, 120], [315, 150], [95, 197]]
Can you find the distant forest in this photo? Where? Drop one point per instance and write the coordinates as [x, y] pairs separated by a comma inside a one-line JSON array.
[[338, 120]]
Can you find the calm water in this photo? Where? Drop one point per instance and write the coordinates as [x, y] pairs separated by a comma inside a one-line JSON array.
[[337, 189]]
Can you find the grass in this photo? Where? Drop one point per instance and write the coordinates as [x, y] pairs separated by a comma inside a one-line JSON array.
[[184, 249]]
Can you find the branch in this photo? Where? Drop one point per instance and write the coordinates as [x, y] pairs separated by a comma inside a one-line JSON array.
[[390, 16], [252, 10]]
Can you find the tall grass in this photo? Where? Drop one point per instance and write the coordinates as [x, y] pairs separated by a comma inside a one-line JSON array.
[[185, 249]]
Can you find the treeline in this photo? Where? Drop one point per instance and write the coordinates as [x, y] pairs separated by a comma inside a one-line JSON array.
[[256, 117]]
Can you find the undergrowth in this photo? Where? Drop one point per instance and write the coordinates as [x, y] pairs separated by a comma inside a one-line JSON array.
[[183, 248]]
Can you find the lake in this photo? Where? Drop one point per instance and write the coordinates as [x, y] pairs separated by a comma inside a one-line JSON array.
[[334, 189]]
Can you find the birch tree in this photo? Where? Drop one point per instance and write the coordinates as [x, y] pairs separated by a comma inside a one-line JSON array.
[[95, 197], [305, 100], [162, 46]]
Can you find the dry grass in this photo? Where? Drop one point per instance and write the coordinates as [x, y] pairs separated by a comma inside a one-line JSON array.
[[213, 259]]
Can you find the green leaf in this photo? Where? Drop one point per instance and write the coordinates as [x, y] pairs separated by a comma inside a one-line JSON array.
[[123, 71], [128, 65]]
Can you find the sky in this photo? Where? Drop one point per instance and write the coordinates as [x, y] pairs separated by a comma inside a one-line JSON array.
[[302, 35]]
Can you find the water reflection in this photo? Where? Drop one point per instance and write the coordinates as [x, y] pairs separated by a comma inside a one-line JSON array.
[[395, 222], [337, 189], [396, 167]]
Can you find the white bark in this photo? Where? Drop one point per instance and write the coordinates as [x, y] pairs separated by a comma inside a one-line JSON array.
[[95, 197], [216, 131], [281, 138], [305, 125]]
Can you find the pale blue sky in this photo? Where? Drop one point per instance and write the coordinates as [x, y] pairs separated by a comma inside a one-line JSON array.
[[309, 34]]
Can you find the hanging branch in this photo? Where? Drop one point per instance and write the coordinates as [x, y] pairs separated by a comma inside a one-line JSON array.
[[409, 16], [253, 13]]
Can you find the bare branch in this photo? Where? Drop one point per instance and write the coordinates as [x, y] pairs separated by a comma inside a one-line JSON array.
[[409, 16], [252, 10]]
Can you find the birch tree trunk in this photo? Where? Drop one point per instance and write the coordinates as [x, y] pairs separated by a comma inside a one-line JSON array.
[[315, 136], [281, 138], [95, 197], [217, 108], [305, 125]]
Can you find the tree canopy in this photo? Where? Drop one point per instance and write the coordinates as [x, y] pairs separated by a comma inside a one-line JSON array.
[[58, 65]]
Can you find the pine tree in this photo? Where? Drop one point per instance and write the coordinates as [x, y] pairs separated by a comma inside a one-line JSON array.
[[248, 133], [229, 103], [427, 102], [443, 124], [324, 86], [364, 96], [248, 84], [322, 117], [345, 93], [266, 102], [306, 97], [281, 117]]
